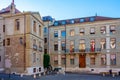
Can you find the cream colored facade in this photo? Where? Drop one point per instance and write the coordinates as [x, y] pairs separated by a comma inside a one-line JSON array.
[[81, 57], [22, 42]]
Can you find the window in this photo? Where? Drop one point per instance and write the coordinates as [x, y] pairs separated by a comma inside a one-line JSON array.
[[63, 45], [34, 44], [82, 45], [4, 42], [103, 30], [71, 46], [55, 34], [82, 20], [82, 31], [92, 45], [103, 43], [8, 41], [72, 21], [92, 59], [63, 22], [0, 58], [72, 61], [72, 32], [63, 59], [113, 59], [55, 60], [45, 30], [45, 40], [63, 33], [34, 26], [40, 30], [17, 24], [3, 28], [112, 29], [45, 51], [92, 19], [34, 57], [92, 30], [56, 46], [103, 59], [55, 23], [113, 43]]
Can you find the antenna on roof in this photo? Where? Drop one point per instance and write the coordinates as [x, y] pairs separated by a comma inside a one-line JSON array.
[[95, 14]]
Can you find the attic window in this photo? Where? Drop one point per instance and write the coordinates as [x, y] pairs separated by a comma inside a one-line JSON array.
[[92, 19], [63, 22], [82, 20], [72, 21], [55, 23]]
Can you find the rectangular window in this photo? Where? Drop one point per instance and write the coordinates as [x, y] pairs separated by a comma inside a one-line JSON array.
[[3, 28], [82, 31], [92, 60], [45, 40], [34, 57], [17, 24], [34, 44], [92, 30], [63, 33], [0, 58], [71, 46], [103, 59], [112, 29], [55, 60], [103, 30], [56, 46], [56, 34], [92, 45], [63, 45], [72, 32], [63, 59], [113, 59], [4, 42], [72, 61], [8, 41], [45, 30], [40, 30], [103, 43], [82, 45], [113, 43], [34, 26]]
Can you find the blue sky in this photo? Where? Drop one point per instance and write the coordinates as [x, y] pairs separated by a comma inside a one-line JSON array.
[[67, 9]]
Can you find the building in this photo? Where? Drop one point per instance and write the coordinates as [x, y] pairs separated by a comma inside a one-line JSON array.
[[22, 42], [87, 44]]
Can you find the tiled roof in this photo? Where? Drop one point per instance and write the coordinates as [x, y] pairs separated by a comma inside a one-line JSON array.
[[7, 10], [81, 20]]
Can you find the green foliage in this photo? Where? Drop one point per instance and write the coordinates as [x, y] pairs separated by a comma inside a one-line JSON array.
[[46, 60]]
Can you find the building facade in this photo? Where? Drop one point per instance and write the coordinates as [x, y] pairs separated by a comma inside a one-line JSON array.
[[22, 41], [88, 43]]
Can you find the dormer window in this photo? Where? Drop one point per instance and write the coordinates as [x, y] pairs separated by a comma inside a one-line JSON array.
[[63, 22], [55, 23], [82, 20], [92, 19], [72, 21]]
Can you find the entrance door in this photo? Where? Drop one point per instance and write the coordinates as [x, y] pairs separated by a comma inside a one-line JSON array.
[[82, 61]]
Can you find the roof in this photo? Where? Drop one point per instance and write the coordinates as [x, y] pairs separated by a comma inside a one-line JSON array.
[[81, 20], [7, 10]]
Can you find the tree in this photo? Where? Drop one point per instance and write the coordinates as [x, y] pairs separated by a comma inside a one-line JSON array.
[[46, 60]]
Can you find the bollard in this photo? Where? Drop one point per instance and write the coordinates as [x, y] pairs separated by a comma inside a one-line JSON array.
[[113, 75], [34, 76], [39, 75], [21, 75]]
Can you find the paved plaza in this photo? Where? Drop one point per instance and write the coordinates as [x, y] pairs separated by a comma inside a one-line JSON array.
[[67, 76]]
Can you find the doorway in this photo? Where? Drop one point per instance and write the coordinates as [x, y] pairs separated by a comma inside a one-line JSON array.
[[82, 61]]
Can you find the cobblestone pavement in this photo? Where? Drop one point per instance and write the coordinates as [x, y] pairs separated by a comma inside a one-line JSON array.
[[67, 76]]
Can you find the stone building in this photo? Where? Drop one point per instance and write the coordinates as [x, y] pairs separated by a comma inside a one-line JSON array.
[[88, 43], [22, 43]]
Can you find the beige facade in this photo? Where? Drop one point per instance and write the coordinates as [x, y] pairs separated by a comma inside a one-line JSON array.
[[23, 42], [90, 45]]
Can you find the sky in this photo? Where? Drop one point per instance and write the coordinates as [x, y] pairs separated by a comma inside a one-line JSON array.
[[68, 9]]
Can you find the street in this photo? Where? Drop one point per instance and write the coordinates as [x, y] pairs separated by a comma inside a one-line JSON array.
[[67, 76]]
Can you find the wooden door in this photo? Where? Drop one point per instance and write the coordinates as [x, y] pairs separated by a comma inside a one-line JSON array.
[[82, 61]]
